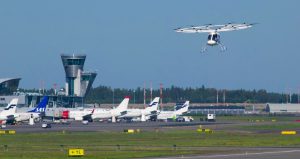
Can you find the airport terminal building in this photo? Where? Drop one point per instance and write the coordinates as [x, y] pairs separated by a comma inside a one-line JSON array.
[[224, 110], [284, 108], [7, 88], [9, 85]]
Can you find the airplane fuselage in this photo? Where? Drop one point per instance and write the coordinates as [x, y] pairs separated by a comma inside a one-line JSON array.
[[79, 114], [105, 114], [164, 115]]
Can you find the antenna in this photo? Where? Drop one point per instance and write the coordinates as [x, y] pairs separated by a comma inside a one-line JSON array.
[[134, 96], [42, 87], [113, 96], [161, 93], [287, 94], [54, 86], [224, 96], [290, 96], [217, 97]]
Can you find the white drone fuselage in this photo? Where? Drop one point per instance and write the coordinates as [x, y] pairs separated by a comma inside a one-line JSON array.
[[213, 39]]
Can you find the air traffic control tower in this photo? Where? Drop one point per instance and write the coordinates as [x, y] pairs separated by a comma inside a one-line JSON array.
[[78, 82]]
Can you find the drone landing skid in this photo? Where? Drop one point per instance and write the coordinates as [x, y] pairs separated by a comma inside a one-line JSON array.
[[203, 49], [222, 47]]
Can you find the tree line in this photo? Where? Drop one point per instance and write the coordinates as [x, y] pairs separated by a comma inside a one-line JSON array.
[[105, 94]]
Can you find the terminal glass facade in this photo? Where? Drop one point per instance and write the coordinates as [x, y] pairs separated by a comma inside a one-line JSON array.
[[75, 62]]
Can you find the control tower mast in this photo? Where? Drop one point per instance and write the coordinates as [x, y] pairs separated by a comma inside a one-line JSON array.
[[78, 82]]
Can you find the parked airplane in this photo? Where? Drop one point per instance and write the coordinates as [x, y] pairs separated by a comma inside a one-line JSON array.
[[179, 110], [80, 114], [111, 113], [143, 114], [36, 113], [10, 112]]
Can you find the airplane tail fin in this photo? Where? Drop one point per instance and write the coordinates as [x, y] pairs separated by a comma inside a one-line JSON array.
[[123, 105], [12, 106], [180, 109], [153, 106], [41, 107]]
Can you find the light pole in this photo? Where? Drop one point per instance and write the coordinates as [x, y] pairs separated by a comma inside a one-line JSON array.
[[113, 91], [224, 97], [134, 96], [217, 97]]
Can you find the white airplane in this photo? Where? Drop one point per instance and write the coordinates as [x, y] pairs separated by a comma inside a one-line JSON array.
[[214, 32], [143, 114], [111, 113], [80, 114], [179, 110], [10, 112]]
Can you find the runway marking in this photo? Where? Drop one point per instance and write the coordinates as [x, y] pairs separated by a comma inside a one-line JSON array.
[[230, 155]]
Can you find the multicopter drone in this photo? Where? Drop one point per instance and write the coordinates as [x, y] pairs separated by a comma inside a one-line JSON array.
[[214, 32]]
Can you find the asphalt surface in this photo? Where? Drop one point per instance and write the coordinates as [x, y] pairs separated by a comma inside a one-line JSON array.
[[247, 153], [76, 126]]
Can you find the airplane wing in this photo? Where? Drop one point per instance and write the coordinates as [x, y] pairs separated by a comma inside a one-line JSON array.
[[88, 117]]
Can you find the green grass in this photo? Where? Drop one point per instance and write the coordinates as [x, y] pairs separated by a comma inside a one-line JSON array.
[[144, 144], [272, 127]]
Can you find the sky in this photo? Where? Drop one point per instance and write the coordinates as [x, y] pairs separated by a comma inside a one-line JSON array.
[[132, 42]]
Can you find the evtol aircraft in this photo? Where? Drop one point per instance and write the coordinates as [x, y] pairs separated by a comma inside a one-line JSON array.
[[142, 114], [179, 110], [111, 113], [214, 38], [10, 112]]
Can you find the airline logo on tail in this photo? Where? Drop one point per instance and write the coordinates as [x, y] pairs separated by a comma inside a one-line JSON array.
[[154, 102], [10, 107], [180, 105], [12, 104], [153, 106], [9, 110], [41, 107], [180, 109]]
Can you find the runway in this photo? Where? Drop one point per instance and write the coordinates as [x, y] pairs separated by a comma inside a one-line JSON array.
[[256, 153]]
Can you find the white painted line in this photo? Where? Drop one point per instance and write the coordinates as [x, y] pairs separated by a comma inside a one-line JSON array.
[[230, 155]]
